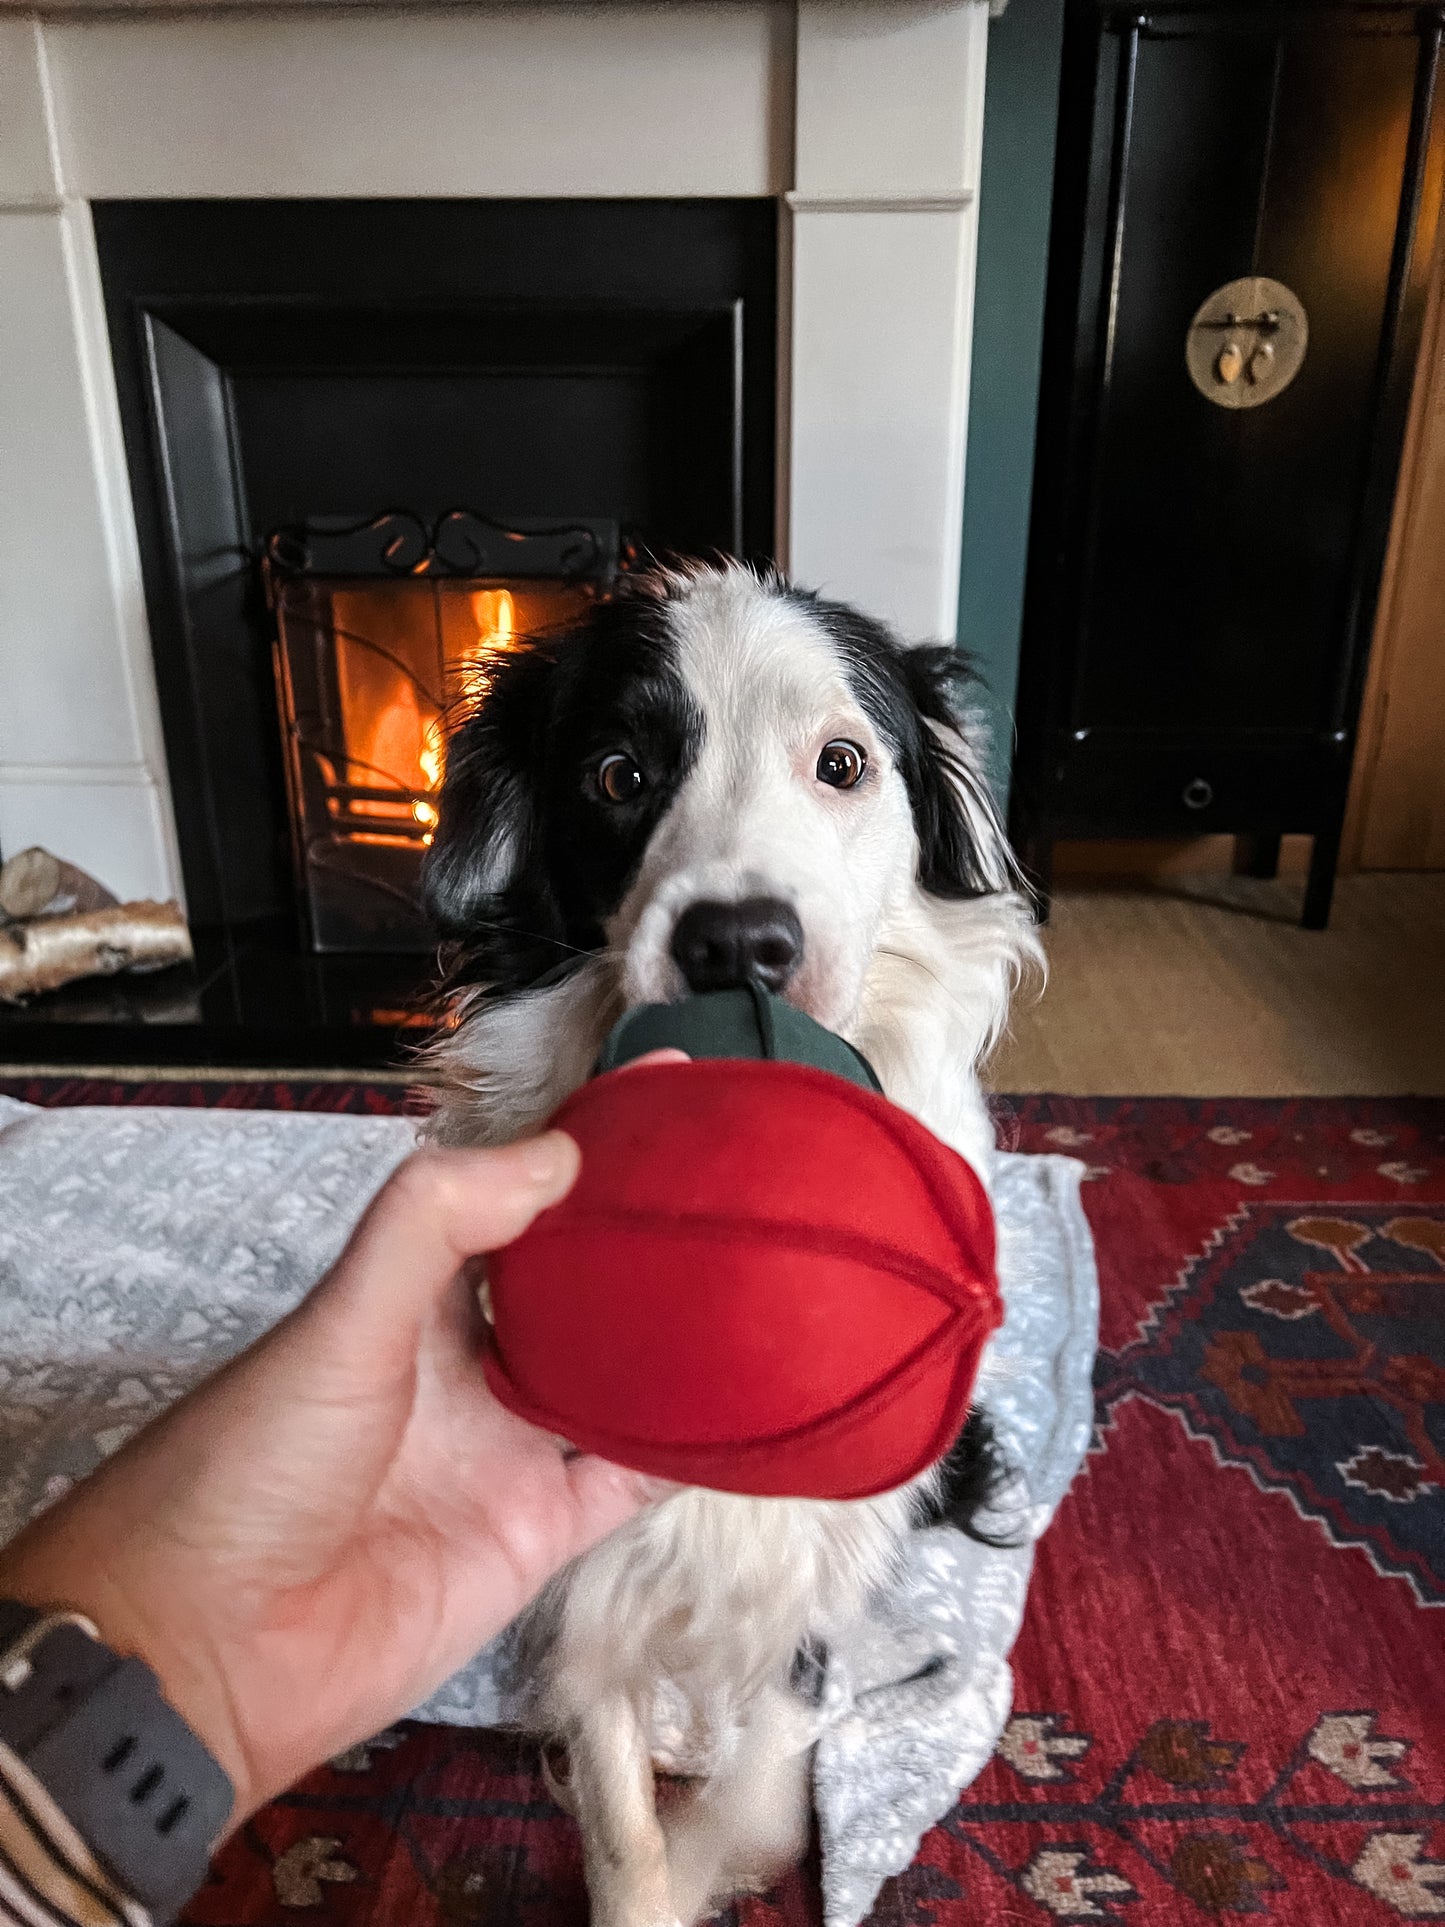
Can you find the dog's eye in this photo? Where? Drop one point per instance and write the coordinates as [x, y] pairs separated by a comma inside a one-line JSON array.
[[619, 779], [841, 765]]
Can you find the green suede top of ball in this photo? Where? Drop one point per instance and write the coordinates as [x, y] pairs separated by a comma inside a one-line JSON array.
[[748, 1022]]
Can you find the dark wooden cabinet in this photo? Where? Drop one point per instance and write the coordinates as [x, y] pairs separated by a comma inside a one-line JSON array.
[[1202, 575]]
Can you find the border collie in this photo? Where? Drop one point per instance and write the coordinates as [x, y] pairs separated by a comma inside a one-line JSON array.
[[718, 777]]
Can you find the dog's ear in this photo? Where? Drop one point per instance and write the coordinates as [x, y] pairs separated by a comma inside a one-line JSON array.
[[480, 879], [916, 696], [963, 849]]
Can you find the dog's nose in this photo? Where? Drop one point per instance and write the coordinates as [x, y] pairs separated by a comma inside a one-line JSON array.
[[720, 946]]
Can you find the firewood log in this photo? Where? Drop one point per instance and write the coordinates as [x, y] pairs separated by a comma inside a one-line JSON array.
[[51, 951]]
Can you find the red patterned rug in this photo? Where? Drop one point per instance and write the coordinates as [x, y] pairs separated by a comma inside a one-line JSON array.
[[383, 1096], [1231, 1678]]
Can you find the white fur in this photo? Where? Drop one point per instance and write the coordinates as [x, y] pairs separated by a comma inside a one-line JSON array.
[[673, 1641]]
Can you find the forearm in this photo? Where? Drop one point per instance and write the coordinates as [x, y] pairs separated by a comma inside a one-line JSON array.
[[74, 1559]]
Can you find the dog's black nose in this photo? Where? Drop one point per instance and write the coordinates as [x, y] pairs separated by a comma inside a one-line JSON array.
[[720, 946]]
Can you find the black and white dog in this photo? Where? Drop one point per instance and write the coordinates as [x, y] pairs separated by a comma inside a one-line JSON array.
[[720, 777]]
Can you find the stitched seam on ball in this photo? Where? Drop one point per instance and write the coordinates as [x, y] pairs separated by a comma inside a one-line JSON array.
[[880, 1109], [818, 1431], [765, 1234]]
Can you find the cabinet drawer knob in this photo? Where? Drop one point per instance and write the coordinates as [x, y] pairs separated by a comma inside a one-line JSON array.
[[1198, 795]]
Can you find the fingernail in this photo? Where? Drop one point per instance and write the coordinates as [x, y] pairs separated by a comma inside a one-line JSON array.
[[551, 1160], [666, 1056]]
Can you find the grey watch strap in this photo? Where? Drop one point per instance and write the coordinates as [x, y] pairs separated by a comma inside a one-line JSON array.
[[119, 1762]]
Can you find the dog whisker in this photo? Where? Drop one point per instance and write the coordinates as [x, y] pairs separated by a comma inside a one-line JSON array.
[[536, 936]]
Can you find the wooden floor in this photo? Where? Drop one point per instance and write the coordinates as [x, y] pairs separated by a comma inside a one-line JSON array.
[[1207, 986]]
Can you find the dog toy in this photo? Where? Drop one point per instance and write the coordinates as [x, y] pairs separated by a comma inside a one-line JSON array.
[[767, 1278]]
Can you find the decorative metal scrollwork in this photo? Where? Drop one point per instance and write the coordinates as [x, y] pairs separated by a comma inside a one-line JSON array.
[[460, 544], [1247, 342]]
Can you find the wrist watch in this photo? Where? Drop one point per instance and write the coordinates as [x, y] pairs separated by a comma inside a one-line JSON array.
[[120, 1763]]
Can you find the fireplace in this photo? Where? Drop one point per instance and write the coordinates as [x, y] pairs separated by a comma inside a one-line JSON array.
[[370, 445], [691, 277]]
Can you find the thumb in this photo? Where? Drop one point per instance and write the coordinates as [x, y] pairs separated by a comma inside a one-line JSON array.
[[436, 1211]]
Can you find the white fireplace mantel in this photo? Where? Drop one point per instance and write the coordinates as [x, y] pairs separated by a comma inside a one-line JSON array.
[[862, 117]]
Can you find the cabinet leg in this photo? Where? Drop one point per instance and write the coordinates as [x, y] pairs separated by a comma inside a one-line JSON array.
[[1257, 856], [1320, 884]]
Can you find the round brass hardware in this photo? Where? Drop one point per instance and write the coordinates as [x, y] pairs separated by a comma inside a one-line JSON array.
[[1198, 795], [1247, 342]]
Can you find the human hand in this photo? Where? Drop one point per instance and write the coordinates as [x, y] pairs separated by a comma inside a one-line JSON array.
[[316, 1538]]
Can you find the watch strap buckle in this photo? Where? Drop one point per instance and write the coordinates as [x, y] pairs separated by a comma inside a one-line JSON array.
[[16, 1665]]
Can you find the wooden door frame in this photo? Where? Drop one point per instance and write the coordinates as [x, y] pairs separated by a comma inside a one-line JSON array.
[[1423, 455]]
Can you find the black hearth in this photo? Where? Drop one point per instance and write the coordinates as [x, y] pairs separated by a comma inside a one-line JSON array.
[[370, 442]]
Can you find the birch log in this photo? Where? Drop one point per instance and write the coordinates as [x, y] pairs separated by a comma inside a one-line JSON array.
[[50, 951]]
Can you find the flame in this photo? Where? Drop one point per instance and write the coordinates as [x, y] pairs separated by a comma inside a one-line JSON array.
[[495, 614], [430, 760], [431, 646]]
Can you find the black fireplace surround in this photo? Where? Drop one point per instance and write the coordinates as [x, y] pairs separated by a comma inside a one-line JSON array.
[[532, 362]]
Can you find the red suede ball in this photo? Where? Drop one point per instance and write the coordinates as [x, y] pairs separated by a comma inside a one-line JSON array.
[[766, 1280]]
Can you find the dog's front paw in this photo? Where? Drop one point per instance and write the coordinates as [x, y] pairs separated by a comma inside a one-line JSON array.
[[630, 1892]]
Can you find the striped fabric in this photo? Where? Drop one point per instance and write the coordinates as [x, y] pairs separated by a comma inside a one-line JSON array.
[[48, 1876]]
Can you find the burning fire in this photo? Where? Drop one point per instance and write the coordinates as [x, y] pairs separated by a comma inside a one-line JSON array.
[[402, 654], [430, 761], [495, 614], [400, 744]]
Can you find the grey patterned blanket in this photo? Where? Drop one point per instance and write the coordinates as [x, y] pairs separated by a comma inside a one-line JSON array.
[[138, 1248]]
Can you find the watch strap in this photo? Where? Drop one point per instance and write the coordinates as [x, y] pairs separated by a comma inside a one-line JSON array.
[[120, 1763]]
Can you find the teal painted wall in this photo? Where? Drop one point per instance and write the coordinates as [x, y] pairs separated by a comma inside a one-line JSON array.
[[1020, 113]]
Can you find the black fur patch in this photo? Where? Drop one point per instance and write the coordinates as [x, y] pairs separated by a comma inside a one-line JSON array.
[[809, 1671], [973, 1475], [530, 857], [901, 691]]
